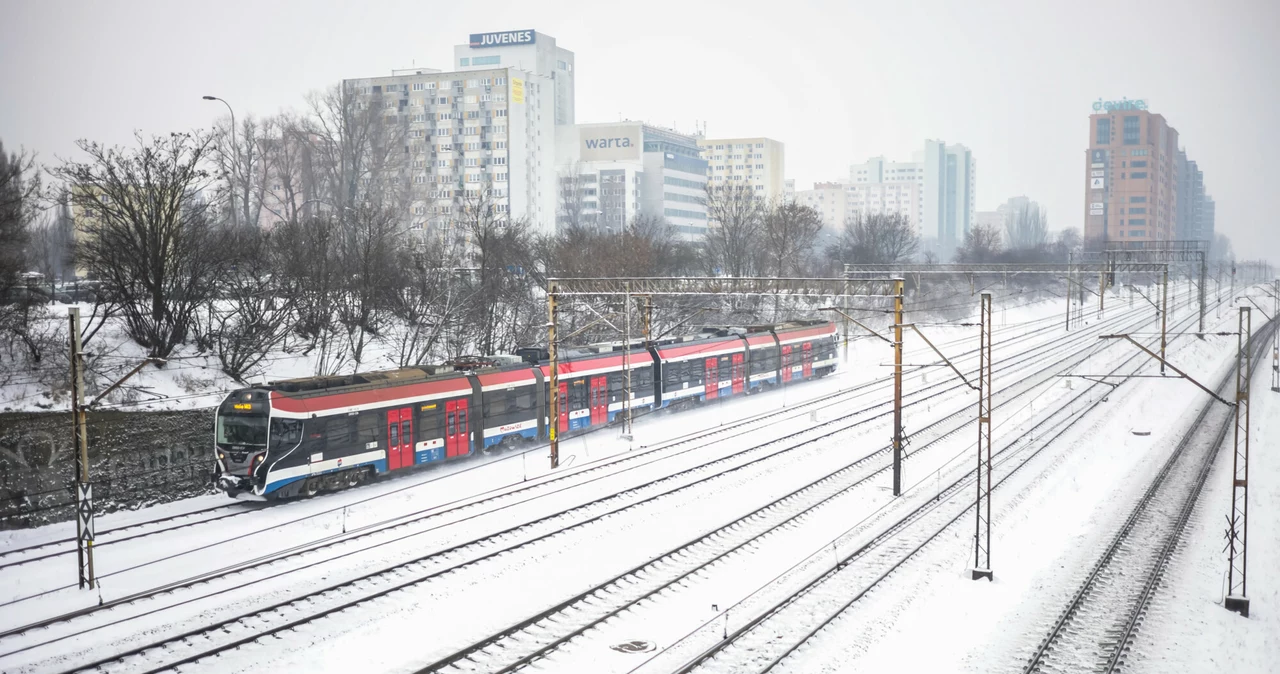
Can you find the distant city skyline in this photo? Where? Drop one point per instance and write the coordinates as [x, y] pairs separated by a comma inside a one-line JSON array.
[[1020, 103]]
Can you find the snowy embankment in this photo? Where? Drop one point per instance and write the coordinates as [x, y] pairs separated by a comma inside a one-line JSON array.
[[473, 480], [486, 596]]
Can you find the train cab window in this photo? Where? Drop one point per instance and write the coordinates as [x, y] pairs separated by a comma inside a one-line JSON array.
[[285, 433]]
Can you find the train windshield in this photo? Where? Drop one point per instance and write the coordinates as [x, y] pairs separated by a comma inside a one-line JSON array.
[[242, 430]]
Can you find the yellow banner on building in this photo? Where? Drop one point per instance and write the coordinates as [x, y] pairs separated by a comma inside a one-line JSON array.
[[517, 90]]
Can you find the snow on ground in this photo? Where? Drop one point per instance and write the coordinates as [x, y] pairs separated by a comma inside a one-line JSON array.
[[1048, 528], [494, 594], [1187, 628]]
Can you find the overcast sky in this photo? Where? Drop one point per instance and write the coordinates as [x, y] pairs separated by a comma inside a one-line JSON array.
[[838, 82]]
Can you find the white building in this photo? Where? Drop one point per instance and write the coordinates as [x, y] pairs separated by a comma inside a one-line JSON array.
[[622, 169], [490, 125], [936, 189], [758, 162], [830, 200], [527, 50]]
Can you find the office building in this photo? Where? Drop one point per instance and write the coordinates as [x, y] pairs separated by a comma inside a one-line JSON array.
[[758, 162], [611, 172], [529, 51], [1130, 176]]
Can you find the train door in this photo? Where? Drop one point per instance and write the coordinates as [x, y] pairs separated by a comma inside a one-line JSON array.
[[399, 438], [599, 400], [806, 359], [711, 383], [738, 384], [564, 406], [457, 428], [786, 363]]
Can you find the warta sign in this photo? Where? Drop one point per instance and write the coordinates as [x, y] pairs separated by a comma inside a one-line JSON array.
[[481, 40]]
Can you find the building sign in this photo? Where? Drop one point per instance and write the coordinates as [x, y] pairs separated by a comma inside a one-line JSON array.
[[1110, 106], [609, 143], [483, 40], [517, 90], [1097, 173], [1095, 183], [1095, 211], [1097, 206], [1098, 157]]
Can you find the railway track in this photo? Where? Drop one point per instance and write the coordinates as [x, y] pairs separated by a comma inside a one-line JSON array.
[[572, 478], [1098, 624], [540, 635], [785, 618], [275, 619], [28, 553], [229, 625]]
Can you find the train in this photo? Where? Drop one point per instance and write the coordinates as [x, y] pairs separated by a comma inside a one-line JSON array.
[[298, 437]]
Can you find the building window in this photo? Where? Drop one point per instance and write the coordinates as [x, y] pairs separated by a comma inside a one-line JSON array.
[[1137, 200], [464, 61], [1138, 233], [1136, 211], [1104, 132], [1137, 175], [486, 60], [562, 65], [1138, 164], [1133, 222], [1132, 129]]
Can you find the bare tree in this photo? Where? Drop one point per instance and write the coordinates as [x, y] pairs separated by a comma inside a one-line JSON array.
[[428, 299], [736, 217], [981, 244], [356, 151], [1027, 228], [240, 158], [576, 191], [877, 238], [19, 190], [147, 234], [366, 252], [253, 314], [788, 235], [501, 255], [1068, 241]]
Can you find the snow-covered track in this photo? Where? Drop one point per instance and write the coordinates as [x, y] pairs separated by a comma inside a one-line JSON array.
[[789, 612], [1097, 626], [282, 615], [538, 636], [64, 546]]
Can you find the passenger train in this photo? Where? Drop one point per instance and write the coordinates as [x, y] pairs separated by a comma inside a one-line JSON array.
[[300, 436]]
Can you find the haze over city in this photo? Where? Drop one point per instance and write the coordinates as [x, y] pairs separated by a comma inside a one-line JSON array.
[[836, 82], [651, 338]]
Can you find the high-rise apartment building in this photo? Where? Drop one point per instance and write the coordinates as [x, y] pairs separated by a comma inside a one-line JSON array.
[[1195, 206], [611, 172], [937, 190], [758, 162], [488, 127], [1130, 176]]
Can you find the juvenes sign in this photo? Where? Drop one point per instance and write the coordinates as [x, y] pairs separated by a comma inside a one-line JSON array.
[[481, 40]]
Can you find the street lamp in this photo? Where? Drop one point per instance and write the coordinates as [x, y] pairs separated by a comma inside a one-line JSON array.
[[235, 147]]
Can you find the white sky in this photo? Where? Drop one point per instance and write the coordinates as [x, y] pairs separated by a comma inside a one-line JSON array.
[[838, 82]]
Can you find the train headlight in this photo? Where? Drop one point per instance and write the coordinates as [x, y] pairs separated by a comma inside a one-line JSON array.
[[221, 456]]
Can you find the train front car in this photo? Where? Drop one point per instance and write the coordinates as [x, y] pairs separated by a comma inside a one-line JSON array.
[[240, 436]]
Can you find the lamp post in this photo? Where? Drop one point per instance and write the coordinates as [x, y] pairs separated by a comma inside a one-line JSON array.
[[235, 148]]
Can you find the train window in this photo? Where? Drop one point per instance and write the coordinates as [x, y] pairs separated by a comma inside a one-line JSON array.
[[510, 406], [429, 423], [394, 439], [672, 375], [524, 400], [642, 379], [285, 433], [578, 395]]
